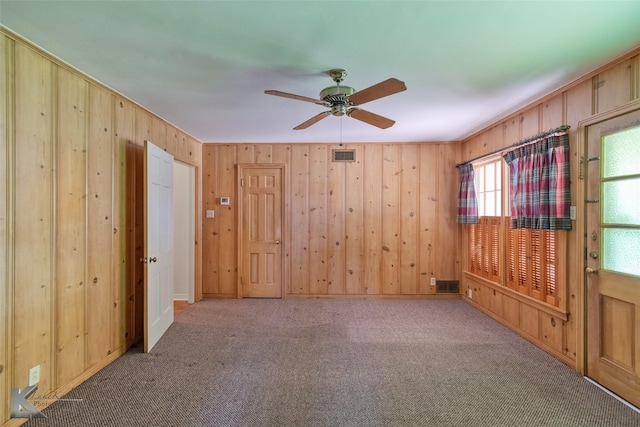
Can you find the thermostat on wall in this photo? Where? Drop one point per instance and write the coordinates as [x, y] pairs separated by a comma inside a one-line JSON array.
[[225, 201]]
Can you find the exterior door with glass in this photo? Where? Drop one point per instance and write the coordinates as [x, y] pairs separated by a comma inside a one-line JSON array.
[[613, 254]]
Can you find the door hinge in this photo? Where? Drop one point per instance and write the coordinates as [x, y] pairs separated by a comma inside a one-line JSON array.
[[241, 182], [580, 168]]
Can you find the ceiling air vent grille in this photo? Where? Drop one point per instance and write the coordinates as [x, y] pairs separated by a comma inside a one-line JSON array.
[[344, 155]]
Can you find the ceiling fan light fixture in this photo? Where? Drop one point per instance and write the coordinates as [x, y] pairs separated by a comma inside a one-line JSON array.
[[339, 109], [341, 100]]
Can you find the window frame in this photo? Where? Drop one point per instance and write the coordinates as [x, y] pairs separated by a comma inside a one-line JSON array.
[[502, 256]]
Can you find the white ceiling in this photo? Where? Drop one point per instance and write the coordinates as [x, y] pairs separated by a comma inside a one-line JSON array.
[[204, 65]]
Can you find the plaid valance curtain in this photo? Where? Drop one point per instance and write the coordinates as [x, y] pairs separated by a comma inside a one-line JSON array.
[[539, 193], [467, 202]]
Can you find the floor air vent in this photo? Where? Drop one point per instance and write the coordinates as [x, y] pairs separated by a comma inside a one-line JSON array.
[[344, 155], [447, 286]]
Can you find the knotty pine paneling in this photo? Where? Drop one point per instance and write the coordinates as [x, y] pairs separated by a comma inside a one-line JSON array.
[[336, 231], [602, 91], [124, 125], [368, 227], [6, 95], [71, 222], [34, 222], [71, 213], [158, 130], [210, 228], [447, 242], [353, 213], [227, 232], [299, 220], [530, 123], [428, 167], [100, 225], [316, 233], [409, 220], [553, 112], [391, 170], [614, 86], [372, 219]]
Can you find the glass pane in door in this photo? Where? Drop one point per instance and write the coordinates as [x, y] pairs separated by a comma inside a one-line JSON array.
[[621, 153], [621, 202], [621, 250]]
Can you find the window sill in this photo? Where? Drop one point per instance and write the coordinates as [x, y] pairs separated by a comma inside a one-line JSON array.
[[542, 306]]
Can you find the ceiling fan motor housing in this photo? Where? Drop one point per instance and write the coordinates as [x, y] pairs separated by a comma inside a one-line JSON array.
[[337, 97]]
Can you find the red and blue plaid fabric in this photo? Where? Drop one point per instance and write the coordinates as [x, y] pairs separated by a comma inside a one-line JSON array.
[[467, 202], [539, 190]]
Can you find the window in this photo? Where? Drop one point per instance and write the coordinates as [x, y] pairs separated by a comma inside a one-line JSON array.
[[527, 257], [484, 237], [488, 182]]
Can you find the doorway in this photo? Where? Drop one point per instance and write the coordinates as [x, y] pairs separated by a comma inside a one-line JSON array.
[[612, 266], [261, 225], [184, 232]]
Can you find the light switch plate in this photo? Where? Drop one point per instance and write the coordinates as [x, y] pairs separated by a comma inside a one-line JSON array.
[[573, 212], [34, 375], [210, 213]]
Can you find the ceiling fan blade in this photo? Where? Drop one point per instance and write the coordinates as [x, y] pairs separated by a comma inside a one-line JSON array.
[[382, 89], [292, 96], [312, 120], [370, 118]]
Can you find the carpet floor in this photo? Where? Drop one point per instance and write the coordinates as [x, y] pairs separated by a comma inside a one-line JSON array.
[[316, 362]]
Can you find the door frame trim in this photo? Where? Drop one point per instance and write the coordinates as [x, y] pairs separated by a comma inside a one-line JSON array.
[[581, 227], [241, 167]]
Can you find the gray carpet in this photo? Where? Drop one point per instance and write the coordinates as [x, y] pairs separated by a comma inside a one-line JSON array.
[[338, 363]]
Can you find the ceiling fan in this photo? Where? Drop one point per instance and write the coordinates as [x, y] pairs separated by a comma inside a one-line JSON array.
[[344, 99]]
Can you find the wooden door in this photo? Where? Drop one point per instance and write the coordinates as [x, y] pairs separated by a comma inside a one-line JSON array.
[[613, 254], [261, 225], [158, 242]]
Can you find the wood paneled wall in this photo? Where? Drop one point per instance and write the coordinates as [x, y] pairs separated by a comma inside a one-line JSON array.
[[382, 225], [70, 219], [603, 90]]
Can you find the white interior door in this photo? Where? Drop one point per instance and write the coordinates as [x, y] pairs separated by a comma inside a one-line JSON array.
[[158, 242]]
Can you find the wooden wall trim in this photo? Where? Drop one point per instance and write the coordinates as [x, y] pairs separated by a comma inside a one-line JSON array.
[[554, 311], [558, 355]]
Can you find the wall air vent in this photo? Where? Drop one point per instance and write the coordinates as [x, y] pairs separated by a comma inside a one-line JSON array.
[[343, 155], [447, 287]]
